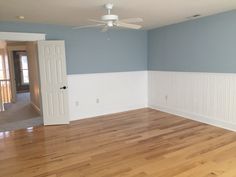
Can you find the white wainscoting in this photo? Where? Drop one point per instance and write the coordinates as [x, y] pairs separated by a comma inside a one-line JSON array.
[[205, 97], [117, 92]]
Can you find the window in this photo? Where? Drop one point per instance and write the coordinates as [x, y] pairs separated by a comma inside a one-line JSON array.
[[24, 69]]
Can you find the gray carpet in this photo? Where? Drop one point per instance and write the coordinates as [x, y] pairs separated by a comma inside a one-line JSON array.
[[19, 115], [18, 111], [22, 124]]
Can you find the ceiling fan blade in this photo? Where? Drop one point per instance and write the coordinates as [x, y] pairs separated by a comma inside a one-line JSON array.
[[97, 21], [127, 25], [132, 20], [88, 26], [105, 29]]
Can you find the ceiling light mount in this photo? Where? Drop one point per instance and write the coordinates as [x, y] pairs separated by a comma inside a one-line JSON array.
[[109, 6]]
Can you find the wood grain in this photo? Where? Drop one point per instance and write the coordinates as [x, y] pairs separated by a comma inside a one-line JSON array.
[[140, 143]]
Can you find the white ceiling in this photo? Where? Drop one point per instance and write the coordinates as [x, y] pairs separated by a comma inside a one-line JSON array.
[[155, 13]]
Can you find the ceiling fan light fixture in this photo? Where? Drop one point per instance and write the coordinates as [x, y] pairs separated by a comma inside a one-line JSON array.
[[109, 18], [110, 23]]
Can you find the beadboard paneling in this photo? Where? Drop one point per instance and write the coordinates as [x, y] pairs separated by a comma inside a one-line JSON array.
[[205, 97], [105, 93]]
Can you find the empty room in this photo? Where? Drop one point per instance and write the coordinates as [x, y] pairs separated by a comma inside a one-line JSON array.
[[118, 88]]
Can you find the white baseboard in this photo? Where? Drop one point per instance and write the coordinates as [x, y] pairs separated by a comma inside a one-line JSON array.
[[107, 112], [197, 117]]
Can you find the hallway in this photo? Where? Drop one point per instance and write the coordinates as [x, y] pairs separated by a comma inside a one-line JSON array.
[[20, 114]]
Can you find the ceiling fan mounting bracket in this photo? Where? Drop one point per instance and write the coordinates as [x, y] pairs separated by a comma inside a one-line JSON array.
[[109, 6]]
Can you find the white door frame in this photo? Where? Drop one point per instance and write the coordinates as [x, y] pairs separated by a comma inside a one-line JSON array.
[[16, 36]]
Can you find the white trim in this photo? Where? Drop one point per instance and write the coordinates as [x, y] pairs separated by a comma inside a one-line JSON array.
[[36, 108], [14, 36], [196, 117], [14, 48]]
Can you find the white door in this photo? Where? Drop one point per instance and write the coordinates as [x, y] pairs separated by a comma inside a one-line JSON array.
[[53, 80]]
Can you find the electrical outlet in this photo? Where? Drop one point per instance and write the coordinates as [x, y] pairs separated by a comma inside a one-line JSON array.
[[166, 98], [76, 103], [97, 100]]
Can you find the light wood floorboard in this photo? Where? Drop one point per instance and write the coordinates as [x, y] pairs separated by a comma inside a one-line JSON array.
[[140, 143]]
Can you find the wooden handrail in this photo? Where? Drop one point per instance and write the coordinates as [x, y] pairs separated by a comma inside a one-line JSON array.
[[5, 80], [5, 92]]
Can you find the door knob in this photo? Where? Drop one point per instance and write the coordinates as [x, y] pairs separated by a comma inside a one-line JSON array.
[[64, 87]]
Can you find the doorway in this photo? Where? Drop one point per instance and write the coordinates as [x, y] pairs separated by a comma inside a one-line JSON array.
[[20, 68], [51, 86]]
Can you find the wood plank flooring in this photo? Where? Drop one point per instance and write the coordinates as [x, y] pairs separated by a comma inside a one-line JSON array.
[[140, 143]]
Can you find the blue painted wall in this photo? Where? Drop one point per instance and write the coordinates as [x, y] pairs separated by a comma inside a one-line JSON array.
[[89, 51], [203, 45]]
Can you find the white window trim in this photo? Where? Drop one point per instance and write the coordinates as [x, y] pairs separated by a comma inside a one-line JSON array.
[[15, 36], [22, 75]]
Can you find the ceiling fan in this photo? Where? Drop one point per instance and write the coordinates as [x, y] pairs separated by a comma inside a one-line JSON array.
[[109, 21]]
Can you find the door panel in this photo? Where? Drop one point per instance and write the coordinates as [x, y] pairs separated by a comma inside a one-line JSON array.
[[52, 64]]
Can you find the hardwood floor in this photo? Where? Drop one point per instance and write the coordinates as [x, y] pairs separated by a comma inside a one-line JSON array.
[[141, 143]]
